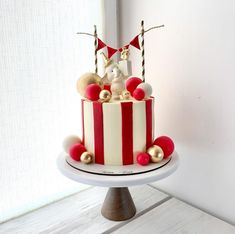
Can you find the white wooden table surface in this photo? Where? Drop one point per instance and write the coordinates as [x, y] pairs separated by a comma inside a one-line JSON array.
[[156, 213]]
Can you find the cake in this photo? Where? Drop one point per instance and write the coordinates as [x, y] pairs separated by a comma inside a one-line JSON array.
[[116, 131], [117, 118]]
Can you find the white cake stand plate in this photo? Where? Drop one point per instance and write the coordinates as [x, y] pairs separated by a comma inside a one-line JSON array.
[[118, 204]]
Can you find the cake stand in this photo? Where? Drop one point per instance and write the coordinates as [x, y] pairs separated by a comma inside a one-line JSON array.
[[118, 204]]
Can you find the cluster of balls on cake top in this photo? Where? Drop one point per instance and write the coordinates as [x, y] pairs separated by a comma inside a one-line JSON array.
[[116, 83], [93, 88], [162, 148]]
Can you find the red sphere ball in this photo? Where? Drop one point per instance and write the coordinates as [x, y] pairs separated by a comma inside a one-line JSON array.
[[132, 83], [76, 151], [143, 159], [107, 87], [139, 94], [92, 92], [166, 144]]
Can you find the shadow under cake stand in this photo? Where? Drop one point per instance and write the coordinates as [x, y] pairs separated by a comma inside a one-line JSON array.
[[118, 204]]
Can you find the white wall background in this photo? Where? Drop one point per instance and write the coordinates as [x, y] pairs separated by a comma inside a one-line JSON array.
[[191, 65], [41, 59]]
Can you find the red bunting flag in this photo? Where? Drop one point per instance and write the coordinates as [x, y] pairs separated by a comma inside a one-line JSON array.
[[135, 42], [111, 51], [101, 44], [126, 46]]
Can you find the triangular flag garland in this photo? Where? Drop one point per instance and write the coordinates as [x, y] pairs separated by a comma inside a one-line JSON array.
[[101, 45], [120, 49], [135, 42], [111, 51]]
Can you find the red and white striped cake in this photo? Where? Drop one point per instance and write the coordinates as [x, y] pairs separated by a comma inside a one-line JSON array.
[[115, 132]]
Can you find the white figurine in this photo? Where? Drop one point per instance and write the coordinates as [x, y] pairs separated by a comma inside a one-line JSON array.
[[118, 83], [114, 75]]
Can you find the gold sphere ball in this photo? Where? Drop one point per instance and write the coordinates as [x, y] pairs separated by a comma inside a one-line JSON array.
[[87, 79], [156, 153], [126, 94], [86, 158], [105, 96]]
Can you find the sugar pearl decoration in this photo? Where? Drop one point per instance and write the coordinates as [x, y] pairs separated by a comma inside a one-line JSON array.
[[156, 153], [147, 89], [132, 83], [167, 145], [86, 158], [69, 141], [126, 94], [139, 94], [92, 92], [76, 150], [143, 159], [87, 79], [107, 87], [105, 96]]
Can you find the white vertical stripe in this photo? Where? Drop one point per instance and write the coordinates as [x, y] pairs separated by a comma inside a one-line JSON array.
[[89, 126], [139, 128], [112, 119]]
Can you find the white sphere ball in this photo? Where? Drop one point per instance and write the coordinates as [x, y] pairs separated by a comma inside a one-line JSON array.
[[69, 141], [147, 89]]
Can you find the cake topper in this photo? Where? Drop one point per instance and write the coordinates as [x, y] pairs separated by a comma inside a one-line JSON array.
[[116, 73], [99, 44], [114, 76]]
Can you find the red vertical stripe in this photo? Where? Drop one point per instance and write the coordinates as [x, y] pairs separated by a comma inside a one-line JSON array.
[[83, 130], [127, 133], [148, 106], [98, 132]]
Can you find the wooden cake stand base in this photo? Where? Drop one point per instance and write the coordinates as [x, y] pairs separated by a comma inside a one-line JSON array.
[[118, 204]]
